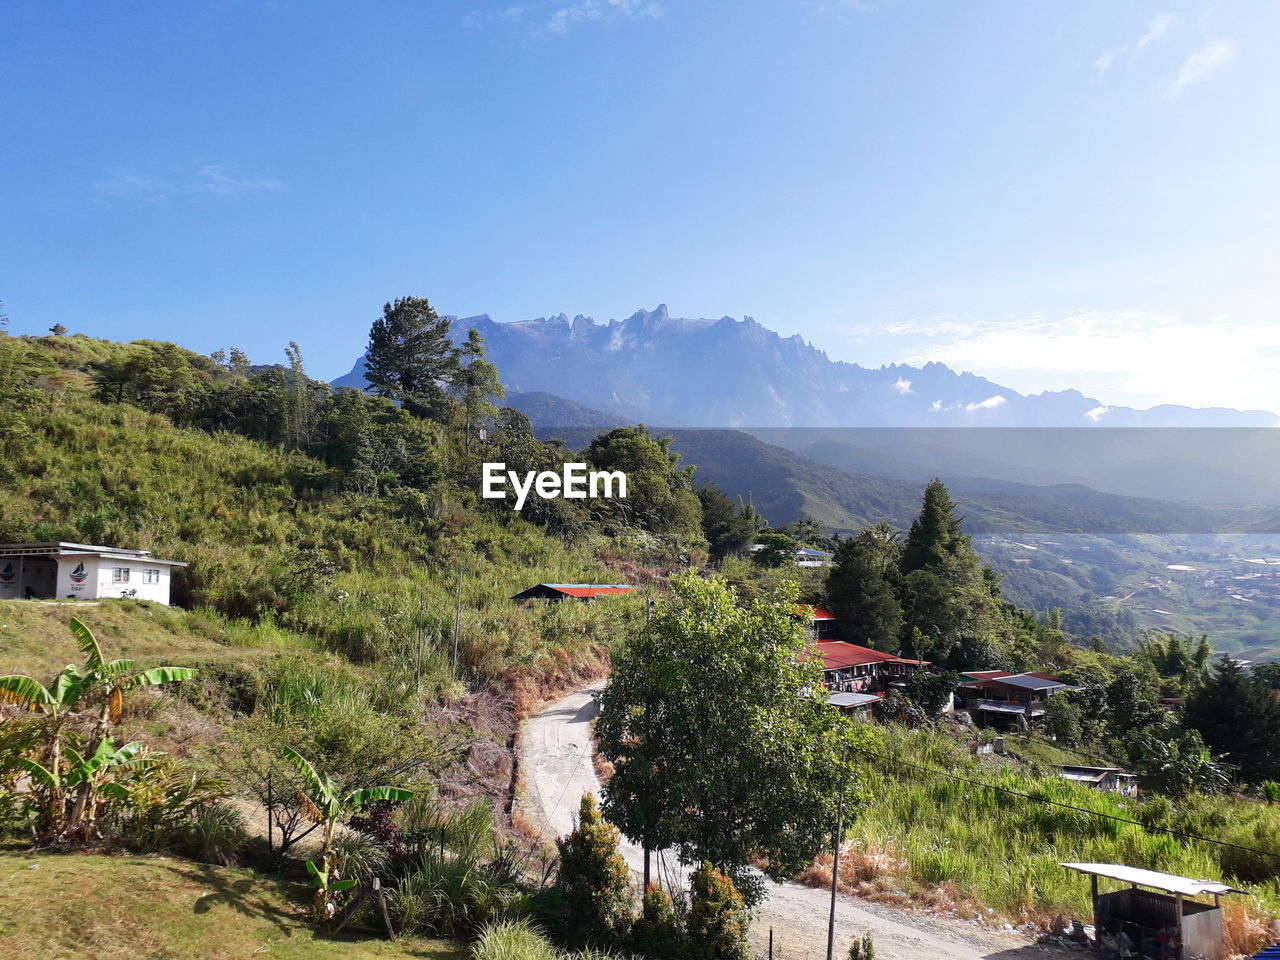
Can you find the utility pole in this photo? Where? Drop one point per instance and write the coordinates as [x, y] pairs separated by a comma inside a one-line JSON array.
[[835, 855], [457, 621], [648, 616]]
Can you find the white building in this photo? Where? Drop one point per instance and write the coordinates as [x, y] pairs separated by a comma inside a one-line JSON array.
[[80, 571]]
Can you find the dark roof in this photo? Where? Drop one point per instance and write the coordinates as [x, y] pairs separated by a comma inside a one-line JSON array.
[[1025, 681], [1270, 953], [584, 591]]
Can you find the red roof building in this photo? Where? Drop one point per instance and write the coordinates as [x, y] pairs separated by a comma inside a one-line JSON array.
[[577, 591]]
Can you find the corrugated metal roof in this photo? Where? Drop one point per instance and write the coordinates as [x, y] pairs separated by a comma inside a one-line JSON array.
[[1168, 882], [852, 699], [986, 674], [589, 589], [814, 613], [1026, 681], [836, 655], [1271, 953]]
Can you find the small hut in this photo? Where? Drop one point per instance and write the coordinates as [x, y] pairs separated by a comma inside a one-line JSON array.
[[1157, 912]]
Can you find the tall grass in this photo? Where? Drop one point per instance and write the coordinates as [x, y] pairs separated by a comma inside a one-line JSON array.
[[929, 837]]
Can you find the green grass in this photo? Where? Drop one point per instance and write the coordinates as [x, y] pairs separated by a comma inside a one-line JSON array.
[[69, 907], [998, 851]]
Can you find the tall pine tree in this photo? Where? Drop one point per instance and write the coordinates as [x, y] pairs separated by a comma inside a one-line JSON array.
[[935, 533], [1237, 715], [862, 588], [411, 358]]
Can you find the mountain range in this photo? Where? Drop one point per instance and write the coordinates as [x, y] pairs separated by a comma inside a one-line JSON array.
[[736, 373], [895, 421]]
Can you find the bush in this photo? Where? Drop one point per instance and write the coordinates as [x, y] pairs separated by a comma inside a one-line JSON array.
[[217, 834], [453, 898], [717, 917], [514, 940], [657, 932], [863, 948], [595, 878]]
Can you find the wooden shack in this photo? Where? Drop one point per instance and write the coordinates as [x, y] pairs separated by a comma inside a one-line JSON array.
[[1158, 912]]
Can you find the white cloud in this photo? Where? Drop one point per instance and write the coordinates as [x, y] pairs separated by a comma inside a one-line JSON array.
[[129, 183], [903, 386], [990, 403], [1105, 59], [1200, 66], [559, 17], [216, 179], [1097, 413], [1127, 357], [1157, 27]]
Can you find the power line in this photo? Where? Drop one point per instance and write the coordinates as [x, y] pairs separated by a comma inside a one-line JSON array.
[[1067, 806]]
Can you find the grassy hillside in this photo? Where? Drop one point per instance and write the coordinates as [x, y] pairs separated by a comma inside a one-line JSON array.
[[53, 907]]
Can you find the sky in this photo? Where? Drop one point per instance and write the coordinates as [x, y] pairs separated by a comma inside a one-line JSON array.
[[1076, 194]]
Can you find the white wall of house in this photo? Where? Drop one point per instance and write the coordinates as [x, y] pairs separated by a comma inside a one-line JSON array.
[[112, 577]]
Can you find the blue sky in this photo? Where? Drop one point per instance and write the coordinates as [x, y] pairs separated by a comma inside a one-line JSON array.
[[1073, 194]]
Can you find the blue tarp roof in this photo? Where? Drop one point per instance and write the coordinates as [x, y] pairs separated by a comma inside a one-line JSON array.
[[1271, 953]]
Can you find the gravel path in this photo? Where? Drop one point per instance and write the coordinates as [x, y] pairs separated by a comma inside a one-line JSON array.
[[555, 757]]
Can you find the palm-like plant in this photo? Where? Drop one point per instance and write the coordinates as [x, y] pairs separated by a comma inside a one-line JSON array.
[[60, 703], [327, 805]]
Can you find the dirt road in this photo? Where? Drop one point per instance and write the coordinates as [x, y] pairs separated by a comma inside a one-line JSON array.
[[555, 756]]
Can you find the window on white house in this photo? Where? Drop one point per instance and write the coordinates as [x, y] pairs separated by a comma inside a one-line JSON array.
[[119, 574], [151, 576]]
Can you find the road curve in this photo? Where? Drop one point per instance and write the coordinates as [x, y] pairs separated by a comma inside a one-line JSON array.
[[555, 750]]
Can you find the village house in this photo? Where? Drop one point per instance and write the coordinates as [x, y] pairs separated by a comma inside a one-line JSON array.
[[850, 668], [555, 592], [999, 695], [1106, 779], [822, 623], [80, 571]]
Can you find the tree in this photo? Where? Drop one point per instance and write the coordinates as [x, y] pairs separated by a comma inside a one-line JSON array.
[[935, 533], [58, 330], [862, 588], [326, 805], [730, 528], [477, 383], [719, 745], [1239, 717], [718, 921], [410, 357], [776, 550], [660, 495], [594, 878], [930, 691]]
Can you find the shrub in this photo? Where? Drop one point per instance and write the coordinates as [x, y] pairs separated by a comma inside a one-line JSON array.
[[862, 948], [453, 898], [656, 933], [514, 940], [595, 878], [217, 834], [717, 917]]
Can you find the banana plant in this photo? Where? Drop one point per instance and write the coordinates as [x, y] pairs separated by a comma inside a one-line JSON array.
[[92, 775], [117, 677], [58, 704], [327, 805], [62, 702]]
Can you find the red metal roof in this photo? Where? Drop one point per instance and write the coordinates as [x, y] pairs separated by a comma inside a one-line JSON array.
[[837, 655], [987, 674], [814, 613], [588, 590]]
